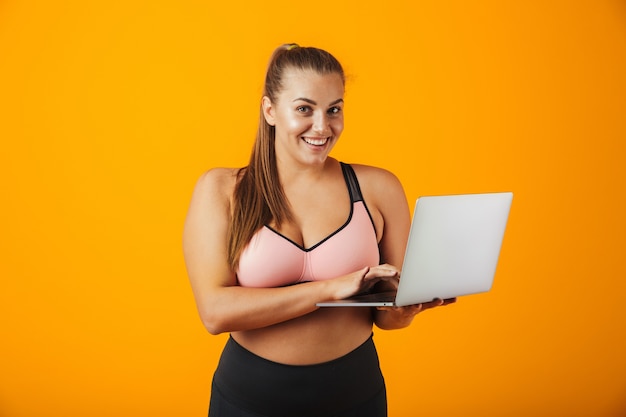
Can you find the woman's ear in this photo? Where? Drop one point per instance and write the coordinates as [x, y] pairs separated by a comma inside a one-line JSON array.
[[268, 110]]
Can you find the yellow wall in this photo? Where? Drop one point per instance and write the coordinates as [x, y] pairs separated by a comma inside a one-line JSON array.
[[110, 110]]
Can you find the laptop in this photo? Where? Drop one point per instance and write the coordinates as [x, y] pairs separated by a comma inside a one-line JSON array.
[[453, 250]]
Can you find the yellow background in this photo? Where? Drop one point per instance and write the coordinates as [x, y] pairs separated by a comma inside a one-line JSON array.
[[110, 110]]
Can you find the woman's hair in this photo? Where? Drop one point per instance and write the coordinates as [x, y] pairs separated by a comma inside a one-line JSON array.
[[259, 197]]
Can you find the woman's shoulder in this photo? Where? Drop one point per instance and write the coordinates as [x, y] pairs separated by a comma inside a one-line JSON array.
[[219, 177], [379, 177], [379, 185], [217, 182]]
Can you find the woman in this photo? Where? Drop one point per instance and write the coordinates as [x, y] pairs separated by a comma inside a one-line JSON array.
[[265, 243]]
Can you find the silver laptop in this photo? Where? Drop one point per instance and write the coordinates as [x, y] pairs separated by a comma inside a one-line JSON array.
[[453, 250]]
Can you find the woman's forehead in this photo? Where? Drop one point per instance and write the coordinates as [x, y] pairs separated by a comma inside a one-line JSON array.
[[310, 84]]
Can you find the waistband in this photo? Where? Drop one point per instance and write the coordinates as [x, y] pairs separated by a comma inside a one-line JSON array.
[[270, 388]]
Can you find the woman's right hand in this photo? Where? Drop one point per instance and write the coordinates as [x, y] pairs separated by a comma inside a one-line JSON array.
[[363, 280]]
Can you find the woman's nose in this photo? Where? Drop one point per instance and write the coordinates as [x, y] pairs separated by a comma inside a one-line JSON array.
[[321, 125]]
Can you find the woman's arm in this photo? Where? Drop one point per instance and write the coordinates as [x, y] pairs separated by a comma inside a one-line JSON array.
[[385, 191], [223, 305]]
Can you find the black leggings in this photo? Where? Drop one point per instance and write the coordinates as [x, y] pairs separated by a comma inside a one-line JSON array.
[[246, 385]]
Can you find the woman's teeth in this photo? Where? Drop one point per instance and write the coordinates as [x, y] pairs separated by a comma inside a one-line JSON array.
[[316, 141]]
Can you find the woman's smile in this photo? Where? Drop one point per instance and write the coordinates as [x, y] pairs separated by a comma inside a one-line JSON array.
[[316, 141]]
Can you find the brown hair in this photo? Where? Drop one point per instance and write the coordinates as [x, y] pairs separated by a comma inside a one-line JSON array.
[[259, 196]]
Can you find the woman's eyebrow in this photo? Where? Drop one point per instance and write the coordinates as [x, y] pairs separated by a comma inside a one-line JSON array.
[[308, 100]]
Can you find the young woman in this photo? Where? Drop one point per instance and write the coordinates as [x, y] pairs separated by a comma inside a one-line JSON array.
[[263, 244]]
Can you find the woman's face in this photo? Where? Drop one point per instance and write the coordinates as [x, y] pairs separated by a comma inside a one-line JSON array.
[[307, 115]]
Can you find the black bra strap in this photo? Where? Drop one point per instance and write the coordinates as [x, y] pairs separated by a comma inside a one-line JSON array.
[[352, 182]]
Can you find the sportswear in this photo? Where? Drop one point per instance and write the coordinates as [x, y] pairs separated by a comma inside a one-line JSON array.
[[272, 260], [247, 385]]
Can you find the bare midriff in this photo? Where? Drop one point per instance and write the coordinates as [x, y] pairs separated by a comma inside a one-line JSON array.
[[320, 336]]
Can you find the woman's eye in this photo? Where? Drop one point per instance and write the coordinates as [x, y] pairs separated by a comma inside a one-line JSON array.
[[334, 110], [302, 109]]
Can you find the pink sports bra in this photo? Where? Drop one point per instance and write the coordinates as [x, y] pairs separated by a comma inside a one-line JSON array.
[[273, 260]]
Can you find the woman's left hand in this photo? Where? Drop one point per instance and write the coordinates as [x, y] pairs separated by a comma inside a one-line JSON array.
[[402, 316]]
